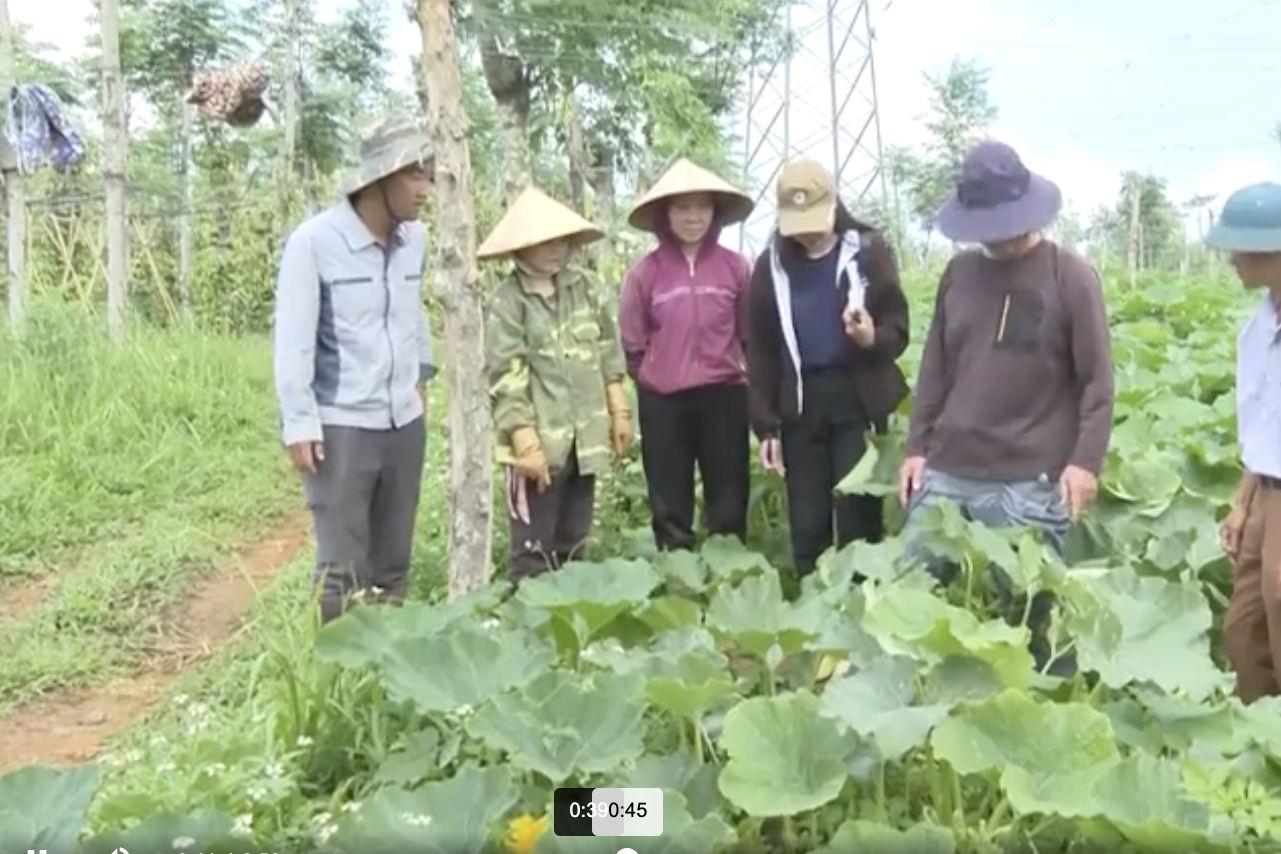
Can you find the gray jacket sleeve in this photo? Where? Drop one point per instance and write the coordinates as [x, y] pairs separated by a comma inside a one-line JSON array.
[[294, 321]]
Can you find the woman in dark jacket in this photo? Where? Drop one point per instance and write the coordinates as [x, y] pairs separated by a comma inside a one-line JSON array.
[[827, 322]]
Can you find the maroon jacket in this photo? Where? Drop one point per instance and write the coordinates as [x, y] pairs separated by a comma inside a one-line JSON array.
[[682, 324]]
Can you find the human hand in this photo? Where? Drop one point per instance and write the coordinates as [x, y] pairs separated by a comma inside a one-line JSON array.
[[859, 326], [1231, 530], [772, 456], [307, 456], [528, 459], [620, 434], [910, 475], [1078, 488]]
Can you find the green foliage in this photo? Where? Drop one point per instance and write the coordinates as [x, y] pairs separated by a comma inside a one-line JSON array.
[[959, 112], [704, 674], [1159, 237], [97, 437], [128, 471]]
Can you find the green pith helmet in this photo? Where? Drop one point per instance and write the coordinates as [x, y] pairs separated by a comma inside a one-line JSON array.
[[385, 148], [1250, 220]]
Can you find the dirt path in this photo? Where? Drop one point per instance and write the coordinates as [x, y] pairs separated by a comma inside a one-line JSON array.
[[67, 727], [22, 598]]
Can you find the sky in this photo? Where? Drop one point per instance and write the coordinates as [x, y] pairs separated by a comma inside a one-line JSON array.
[[1084, 88]]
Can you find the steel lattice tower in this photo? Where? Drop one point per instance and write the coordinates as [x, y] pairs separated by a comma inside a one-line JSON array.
[[818, 100]]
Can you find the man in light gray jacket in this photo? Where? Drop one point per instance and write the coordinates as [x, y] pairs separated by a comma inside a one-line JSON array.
[[352, 356]]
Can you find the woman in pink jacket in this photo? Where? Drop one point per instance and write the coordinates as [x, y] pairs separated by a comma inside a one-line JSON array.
[[682, 321]]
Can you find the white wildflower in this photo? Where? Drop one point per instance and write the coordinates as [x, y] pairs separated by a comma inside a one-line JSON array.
[[415, 819], [244, 824], [182, 842], [305, 741], [325, 826]]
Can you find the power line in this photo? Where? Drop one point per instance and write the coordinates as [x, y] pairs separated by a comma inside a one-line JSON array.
[[1063, 11]]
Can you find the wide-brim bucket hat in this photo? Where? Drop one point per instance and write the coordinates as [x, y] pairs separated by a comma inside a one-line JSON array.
[[1250, 220], [997, 198], [536, 218], [385, 148], [685, 177]]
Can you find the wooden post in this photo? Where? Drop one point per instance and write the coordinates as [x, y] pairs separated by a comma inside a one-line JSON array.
[[186, 181], [289, 118], [15, 202], [114, 142], [471, 463]]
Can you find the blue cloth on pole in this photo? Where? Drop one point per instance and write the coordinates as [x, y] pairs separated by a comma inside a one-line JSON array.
[[38, 131]]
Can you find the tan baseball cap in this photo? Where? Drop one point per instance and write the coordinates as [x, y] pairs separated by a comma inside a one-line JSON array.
[[806, 198]]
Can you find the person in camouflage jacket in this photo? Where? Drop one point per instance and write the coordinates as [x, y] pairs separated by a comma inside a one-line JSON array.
[[556, 382]]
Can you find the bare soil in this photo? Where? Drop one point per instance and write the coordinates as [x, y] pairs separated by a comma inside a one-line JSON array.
[[68, 727], [17, 601]]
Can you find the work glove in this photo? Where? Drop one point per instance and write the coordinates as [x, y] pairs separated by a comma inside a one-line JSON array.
[[620, 419], [528, 458]]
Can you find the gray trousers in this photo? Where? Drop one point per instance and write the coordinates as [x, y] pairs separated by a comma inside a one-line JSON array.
[[364, 501], [997, 504], [560, 518]]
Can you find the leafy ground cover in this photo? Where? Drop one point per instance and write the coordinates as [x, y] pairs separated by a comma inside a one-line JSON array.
[[128, 471], [701, 674]]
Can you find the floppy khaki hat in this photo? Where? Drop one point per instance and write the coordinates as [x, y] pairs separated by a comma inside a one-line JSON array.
[[1250, 220], [732, 204], [806, 198], [385, 148], [532, 219]]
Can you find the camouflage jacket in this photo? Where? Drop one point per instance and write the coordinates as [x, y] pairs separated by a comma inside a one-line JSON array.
[[549, 361]]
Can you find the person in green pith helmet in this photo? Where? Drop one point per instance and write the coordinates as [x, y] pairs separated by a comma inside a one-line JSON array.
[[352, 354], [1249, 231]]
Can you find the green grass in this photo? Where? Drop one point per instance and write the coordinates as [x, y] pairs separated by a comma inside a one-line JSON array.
[[128, 469]]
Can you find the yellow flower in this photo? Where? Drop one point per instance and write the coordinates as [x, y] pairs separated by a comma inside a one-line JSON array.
[[523, 832], [829, 668]]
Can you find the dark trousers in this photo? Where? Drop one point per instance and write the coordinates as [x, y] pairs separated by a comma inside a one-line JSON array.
[[560, 518], [707, 428], [364, 501], [819, 449]]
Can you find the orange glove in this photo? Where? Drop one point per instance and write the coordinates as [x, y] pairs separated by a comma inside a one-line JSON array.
[[530, 461], [620, 417]]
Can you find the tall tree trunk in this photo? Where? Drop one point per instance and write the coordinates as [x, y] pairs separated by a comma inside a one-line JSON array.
[[471, 464], [186, 184], [577, 151], [603, 177], [508, 82], [1132, 234], [15, 202], [114, 141]]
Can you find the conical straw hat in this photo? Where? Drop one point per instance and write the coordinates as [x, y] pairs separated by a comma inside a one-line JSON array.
[[532, 219], [732, 203]]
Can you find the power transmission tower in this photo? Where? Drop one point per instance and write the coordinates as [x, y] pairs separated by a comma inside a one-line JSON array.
[[819, 100]]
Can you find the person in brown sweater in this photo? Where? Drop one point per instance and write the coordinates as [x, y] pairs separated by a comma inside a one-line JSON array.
[[1012, 412], [827, 322]]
